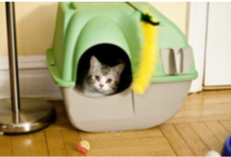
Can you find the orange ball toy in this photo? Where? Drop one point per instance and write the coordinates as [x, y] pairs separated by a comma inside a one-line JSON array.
[[84, 146]]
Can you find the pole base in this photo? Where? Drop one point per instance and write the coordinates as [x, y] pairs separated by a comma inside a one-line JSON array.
[[35, 114]]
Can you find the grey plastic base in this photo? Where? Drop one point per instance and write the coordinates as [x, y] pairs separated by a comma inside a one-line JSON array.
[[127, 110]]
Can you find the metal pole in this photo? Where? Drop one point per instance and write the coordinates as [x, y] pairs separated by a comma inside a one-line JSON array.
[[20, 115], [13, 60]]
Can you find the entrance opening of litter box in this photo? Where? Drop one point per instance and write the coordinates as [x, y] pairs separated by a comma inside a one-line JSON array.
[[107, 54]]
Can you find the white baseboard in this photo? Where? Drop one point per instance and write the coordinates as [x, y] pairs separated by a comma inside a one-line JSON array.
[[34, 78], [25, 62]]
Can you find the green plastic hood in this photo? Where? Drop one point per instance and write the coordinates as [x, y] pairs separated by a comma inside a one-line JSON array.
[[97, 31], [82, 25]]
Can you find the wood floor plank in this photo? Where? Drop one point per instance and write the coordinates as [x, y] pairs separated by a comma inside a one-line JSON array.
[[218, 97], [158, 150], [128, 143], [203, 123], [71, 139], [29, 145], [216, 92], [211, 109], [60, 127], [55, 143], [38, 146], [198, 117], [61, 114], [215, 98], [62, 122], [97, 144], [203, 106], [176, 141], [227, 125], [207, 136], [132, 147], [192, 139], [123, 135], [193, 99], [218, 130], [209, 97], [21, 145], [5, 146]]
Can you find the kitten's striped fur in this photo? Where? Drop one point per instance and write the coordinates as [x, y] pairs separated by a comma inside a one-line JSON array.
[[101, 79]]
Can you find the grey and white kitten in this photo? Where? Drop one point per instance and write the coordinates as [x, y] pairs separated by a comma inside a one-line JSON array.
[[101, 79]]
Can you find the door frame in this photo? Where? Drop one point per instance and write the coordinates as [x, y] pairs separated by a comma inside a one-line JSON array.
[[197, 34]]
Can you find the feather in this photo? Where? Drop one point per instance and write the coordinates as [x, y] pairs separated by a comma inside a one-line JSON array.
[[146, 68]]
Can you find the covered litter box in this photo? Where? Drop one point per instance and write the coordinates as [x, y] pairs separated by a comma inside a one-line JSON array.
[[81, 26]]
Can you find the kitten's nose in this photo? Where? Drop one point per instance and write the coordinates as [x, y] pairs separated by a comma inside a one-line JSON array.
[[101, 86]]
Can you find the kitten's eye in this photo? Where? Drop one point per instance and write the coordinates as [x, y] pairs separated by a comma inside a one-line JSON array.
[[109, 80], [97, 78]]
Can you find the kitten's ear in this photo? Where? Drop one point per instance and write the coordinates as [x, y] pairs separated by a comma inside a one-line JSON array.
[[94, 62], [119, 68]]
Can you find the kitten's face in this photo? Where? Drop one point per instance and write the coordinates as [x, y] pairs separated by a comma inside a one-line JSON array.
[[104, 78]]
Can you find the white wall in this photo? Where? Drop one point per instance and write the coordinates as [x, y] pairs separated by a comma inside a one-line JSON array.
[[36, 23], [197, 39]]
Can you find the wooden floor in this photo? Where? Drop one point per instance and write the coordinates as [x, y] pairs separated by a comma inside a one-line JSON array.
[[203, 124]]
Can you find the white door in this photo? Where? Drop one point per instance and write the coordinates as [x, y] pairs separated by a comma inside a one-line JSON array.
[[218, 45]]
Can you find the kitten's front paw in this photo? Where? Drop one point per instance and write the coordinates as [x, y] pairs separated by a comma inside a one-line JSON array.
[[213, 153]]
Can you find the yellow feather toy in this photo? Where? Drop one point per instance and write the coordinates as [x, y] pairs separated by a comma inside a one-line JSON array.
[[148, 56], [146, 68]]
